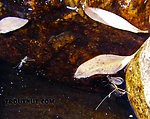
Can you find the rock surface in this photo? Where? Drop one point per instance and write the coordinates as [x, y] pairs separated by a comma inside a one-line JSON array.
[[138, 81], [60, 39]]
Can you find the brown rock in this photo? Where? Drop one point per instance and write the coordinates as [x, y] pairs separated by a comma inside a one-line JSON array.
[[138, 82], [60, 39]]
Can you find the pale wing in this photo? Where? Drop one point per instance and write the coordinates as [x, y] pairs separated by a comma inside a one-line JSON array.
[[111, 19], [102, 64], [116, 80], [8, 24]]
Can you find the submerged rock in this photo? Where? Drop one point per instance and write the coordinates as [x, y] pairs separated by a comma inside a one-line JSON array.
[[60, 39], [138, 81]]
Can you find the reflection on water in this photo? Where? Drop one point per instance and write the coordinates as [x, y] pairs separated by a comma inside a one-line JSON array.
[[25, 95]]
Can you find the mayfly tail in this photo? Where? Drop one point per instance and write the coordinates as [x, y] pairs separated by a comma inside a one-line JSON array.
[[128, 93], [105, 99], [132, 96], [116, 88]]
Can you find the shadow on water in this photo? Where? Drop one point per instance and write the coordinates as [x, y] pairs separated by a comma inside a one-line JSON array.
[[25, 95]]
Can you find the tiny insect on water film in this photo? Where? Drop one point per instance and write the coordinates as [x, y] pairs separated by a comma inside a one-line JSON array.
[[23, 61]]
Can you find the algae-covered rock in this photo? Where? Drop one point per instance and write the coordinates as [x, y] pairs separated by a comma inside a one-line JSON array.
[[138, 81]]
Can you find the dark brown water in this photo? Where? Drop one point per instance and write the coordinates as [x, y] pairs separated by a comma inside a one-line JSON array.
[[52, 100]]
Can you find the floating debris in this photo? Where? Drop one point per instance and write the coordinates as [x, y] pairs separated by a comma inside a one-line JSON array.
[[73, 8], [8, 24], [102, 64], [111, 19]]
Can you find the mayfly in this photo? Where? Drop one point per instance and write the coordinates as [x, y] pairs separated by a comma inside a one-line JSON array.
[[23, 61]]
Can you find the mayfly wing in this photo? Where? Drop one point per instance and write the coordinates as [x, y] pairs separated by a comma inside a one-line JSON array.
[[102, 64], [25, 58], [111, 19], [116, 80], [8, 24]]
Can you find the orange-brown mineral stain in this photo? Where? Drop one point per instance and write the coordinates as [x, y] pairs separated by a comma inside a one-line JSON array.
[[35, 42], [135, 12], [61, 40], [31, 3]]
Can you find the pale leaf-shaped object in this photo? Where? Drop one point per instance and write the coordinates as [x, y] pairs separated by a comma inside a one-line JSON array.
[[111, 19], [8, 24], [102, 64]]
